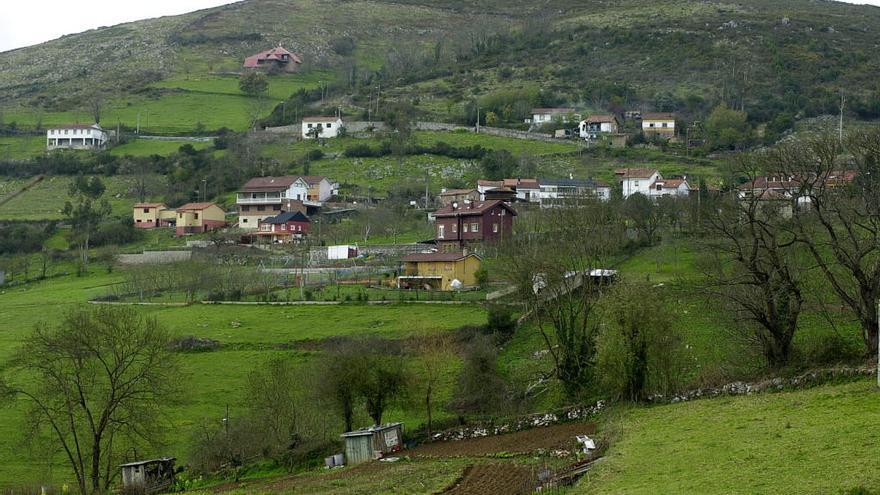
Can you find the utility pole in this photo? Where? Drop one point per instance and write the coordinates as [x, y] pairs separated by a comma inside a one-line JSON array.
[[478, 120], [840, 125], [138, 126]]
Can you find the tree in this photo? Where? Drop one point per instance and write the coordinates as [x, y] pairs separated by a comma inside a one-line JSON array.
[[838, 219], [383, 380], [638, 350], [434, 355], [498, 164], [95, 384], [755, 267], [253, 84], [340, 377], [85, 213], [550, 267], [480, 388], [727, 128], [644, 214]]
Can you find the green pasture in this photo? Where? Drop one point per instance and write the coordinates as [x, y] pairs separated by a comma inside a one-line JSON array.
[[21, 147], [45, 200], [143, 147]]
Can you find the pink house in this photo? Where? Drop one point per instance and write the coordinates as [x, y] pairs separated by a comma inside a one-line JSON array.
[[276, 58]]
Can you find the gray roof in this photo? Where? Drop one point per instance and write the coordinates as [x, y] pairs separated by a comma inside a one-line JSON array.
[[370, 430], [150, 461]]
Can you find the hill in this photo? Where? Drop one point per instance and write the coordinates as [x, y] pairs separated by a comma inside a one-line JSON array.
[[767, 57]]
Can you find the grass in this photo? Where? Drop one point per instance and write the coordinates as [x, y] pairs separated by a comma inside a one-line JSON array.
[[817, 441], [22, 148], [280, 86], [45, 200], [143, 147], [211, 379]]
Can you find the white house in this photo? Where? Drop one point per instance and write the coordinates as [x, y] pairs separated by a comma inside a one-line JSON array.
[[546, 115], [670, 187], [658, 124], [560, 192], [637, 180], [264, 197], [77, 136], [326, 127], [595, 125]]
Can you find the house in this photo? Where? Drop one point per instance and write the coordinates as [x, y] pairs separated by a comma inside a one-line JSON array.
[[658, 124], [460, 224], [321, 127], [77, 137], [284, 228], [595, 125], [264, 197], [542, 116], [152, 215], [562, 192], [449, 196], [780, 185], [508, 189], [671, 187], [152, 476], [193, 218], [371, 443], [637, 180], [439, 271], [277, 58]]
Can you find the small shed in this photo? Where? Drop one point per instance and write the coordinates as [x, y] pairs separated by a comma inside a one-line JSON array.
[[149, 476], [371, 443]]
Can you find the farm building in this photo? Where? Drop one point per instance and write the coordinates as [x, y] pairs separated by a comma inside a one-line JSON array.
[[372, 443], [658, 124], [77, 137], [439, 271], [193, 218], [277, 58], [321, 127], [155, 475], [152, 215]]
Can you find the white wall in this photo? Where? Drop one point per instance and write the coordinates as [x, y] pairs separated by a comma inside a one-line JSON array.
[[330, 128]]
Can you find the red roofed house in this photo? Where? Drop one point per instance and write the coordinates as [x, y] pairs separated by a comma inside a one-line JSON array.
[[285, 228], [671, 187], [277, 58], [264, 197], [77, 137], [443, 271], [193, 218], [152, 215], [461, 224]]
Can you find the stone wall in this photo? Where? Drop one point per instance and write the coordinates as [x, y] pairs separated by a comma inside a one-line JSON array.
[[154, 257], [318, 255]]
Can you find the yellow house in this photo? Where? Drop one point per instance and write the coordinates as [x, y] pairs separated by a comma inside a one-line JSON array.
[[199, 217], [152, 215], [443, 271]]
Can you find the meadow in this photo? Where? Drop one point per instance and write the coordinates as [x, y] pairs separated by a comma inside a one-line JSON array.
[[45, 201]]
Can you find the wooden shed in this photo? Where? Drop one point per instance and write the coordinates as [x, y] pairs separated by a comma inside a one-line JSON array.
[[151, 476], [371, 443]]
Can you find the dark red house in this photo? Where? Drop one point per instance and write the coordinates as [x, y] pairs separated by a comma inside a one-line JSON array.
[[285, 227], [472, 222]]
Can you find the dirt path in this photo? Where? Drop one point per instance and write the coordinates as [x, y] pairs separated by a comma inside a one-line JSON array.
[[487, 479], [521, 442]]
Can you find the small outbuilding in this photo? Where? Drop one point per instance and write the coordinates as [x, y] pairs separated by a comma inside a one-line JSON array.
[[371, 443], [151, 476]]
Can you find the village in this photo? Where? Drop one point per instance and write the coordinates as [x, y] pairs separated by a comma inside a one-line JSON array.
[[290, 269]]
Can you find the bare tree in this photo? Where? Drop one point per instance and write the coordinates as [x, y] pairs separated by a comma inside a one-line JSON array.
[[756, 268], [95, 384], [551, 269], [434, 354], [835, 187]]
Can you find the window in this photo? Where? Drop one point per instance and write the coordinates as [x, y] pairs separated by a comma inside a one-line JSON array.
[[651, 124], [244, 220], [440, 231], [475, 227], [502, 209], [636, 183], [455, 227], [495, 228], [310, 126], [245, 208], [465, 228], [665, 124], [261, 208], [195, 216], [659, 187], [329, 126], [146, 210], [283, 226]]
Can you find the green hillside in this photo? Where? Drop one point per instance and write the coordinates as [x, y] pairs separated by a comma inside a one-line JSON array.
[[178, 73]]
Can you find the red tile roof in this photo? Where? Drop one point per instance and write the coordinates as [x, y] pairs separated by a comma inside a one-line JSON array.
[[523, 183], [263, 184], [672, 182], [635, 173], [275, 54], [427, 257], [196, 206], [600, 119], [474, 208], [150, 205]]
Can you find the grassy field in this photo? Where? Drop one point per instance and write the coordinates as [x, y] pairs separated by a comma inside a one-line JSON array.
[[142, 147], [21, 148], [249, 334], [817, 441], [46, 200]]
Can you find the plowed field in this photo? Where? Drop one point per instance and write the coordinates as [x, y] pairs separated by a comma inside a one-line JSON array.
[[521, 442]]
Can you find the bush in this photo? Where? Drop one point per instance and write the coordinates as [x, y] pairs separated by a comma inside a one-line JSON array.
[[482, 276], [501, 322]]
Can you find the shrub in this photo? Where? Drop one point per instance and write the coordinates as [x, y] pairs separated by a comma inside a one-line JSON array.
[[500, 321]]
